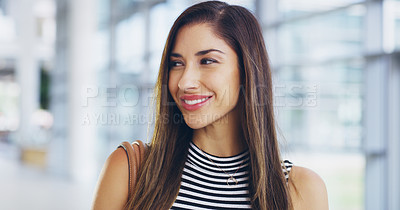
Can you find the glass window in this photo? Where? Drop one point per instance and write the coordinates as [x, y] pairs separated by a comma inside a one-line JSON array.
[[391, 25], [320, 106], [293, 8], [320, 38], [103, 12], [130, 44], [396, 22], [162, 18]]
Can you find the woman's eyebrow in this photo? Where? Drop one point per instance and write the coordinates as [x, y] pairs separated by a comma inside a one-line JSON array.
[[176, 55], [203, 52]]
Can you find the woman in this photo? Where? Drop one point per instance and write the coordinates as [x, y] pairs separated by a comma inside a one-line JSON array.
[[214, 143]]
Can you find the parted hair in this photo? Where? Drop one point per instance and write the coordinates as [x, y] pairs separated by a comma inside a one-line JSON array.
[[159, 177]]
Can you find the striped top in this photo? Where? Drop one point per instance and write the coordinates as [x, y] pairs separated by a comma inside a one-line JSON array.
[[205, 186]]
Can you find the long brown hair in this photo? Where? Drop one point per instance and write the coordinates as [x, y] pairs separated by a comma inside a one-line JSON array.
[[160, 175]]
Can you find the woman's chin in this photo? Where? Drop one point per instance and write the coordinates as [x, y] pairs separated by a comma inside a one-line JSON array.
[[195, 125]]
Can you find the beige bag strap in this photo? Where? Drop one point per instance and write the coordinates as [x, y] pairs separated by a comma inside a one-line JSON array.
[[135, 155]]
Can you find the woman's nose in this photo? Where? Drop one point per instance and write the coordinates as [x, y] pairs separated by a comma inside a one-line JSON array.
[[190, 79]]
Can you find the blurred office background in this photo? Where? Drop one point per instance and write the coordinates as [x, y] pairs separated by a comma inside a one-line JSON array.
[[76, 79]]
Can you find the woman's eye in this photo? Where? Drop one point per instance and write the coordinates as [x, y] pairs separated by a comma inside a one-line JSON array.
[[175, 64], [208, 61]]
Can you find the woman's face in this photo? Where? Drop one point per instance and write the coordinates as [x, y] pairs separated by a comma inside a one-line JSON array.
[[204, 77]]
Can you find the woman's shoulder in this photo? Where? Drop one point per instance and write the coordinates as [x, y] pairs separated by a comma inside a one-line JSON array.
[[112, 187], [307, 189]]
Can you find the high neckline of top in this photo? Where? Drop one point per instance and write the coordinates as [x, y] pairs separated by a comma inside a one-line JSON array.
[[220, 158]]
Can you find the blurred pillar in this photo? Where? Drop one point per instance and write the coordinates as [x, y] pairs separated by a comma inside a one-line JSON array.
[[267, 13], [58, 152], [394, 133], [381, 115], [74, 144], [81, 74], [27, 67], [375, 139], [374, 110]]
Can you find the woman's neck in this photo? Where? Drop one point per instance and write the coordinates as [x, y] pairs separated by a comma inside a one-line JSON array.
[[222, 138]]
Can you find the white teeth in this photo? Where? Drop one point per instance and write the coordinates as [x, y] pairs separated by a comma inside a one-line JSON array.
[[191, 102]]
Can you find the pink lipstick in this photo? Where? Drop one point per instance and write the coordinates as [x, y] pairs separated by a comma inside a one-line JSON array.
[[194, 102]]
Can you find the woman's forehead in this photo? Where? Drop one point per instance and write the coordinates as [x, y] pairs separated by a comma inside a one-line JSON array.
[[198, 37]]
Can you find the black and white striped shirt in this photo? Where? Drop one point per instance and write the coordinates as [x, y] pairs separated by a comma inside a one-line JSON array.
[[205, 186]]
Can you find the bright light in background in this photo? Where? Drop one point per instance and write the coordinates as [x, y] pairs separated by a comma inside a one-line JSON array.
[[7, 28], [9, 93], [45, 11]]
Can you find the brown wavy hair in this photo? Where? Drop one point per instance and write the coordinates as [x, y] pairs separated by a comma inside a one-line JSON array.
[[160, 175]]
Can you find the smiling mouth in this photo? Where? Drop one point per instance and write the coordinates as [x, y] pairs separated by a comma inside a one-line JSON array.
[[192, 105], [192, 102]]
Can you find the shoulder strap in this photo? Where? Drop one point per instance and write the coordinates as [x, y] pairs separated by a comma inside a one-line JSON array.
[[135, 155]]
